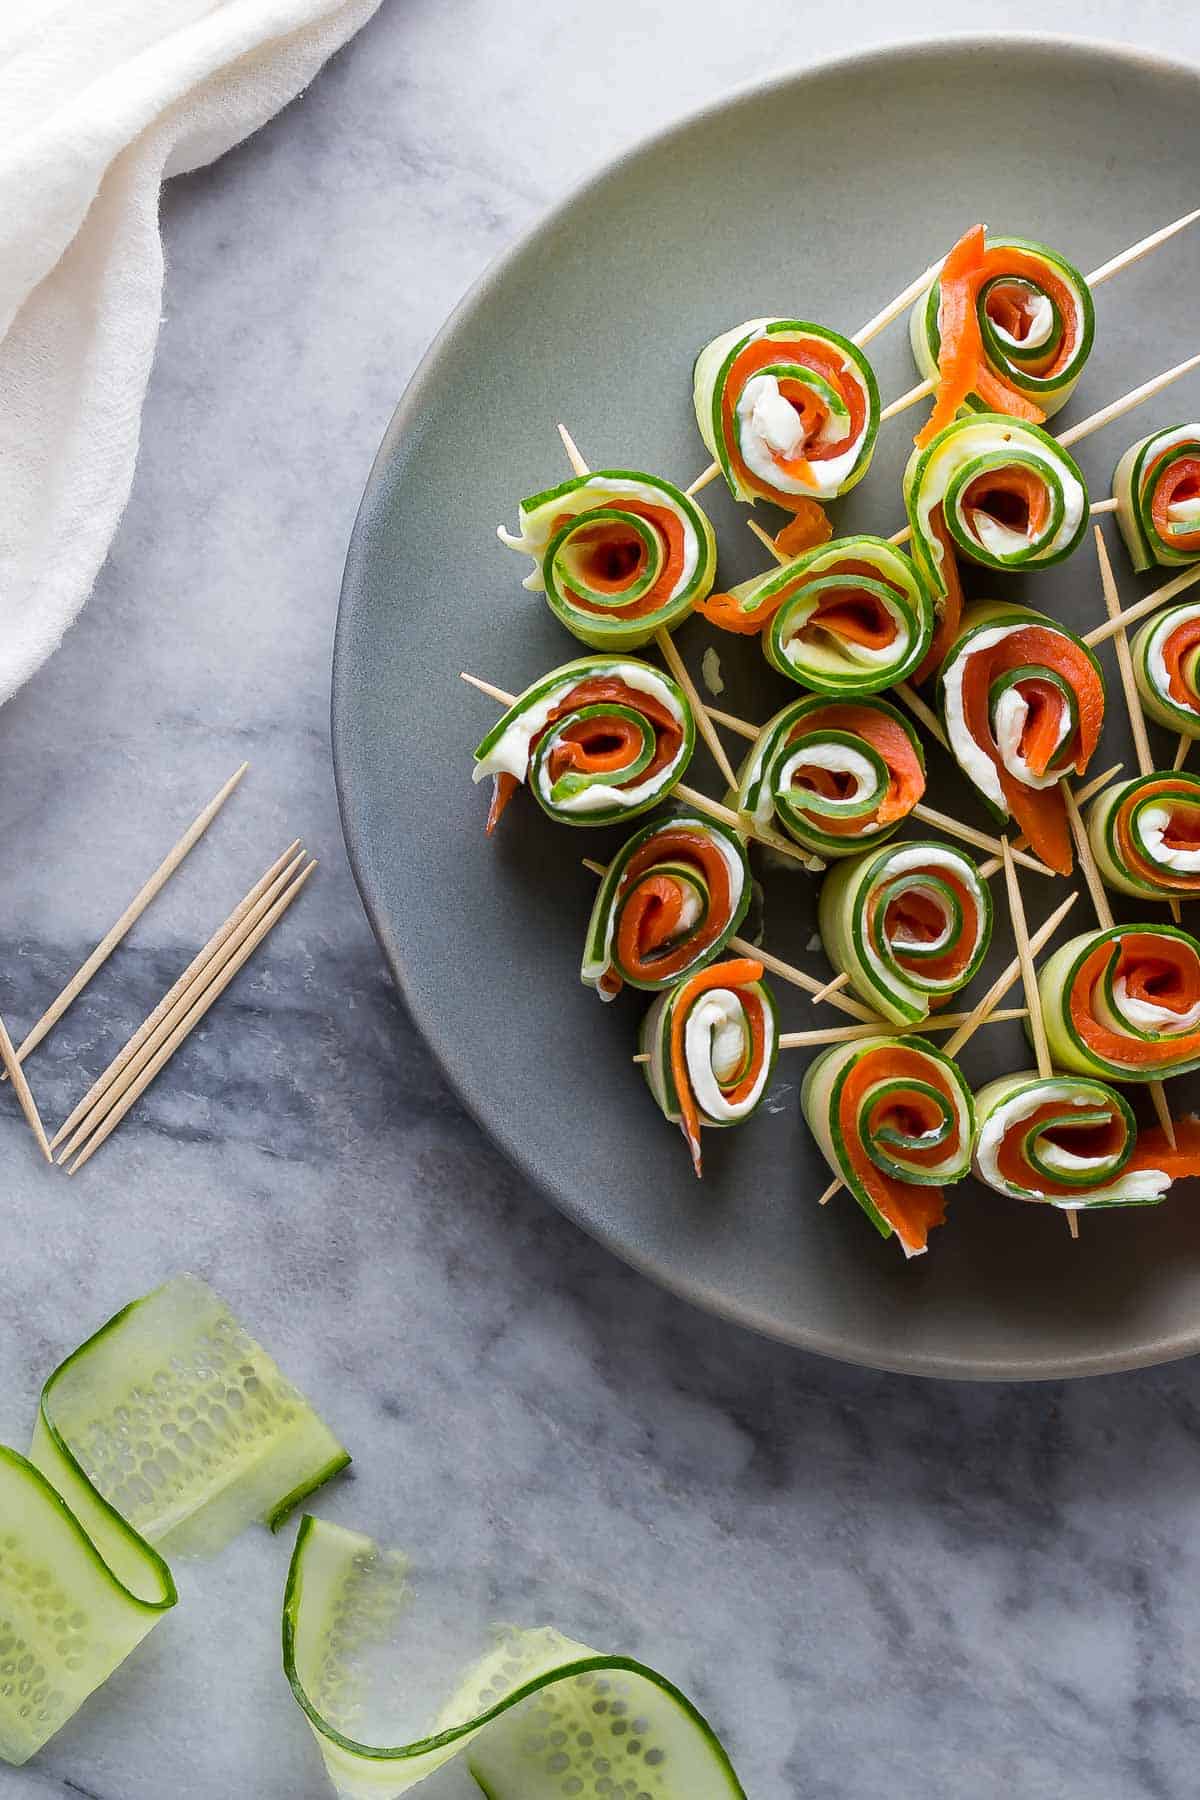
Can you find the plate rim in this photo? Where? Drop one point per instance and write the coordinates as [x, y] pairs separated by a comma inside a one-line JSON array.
[[814, 1340]]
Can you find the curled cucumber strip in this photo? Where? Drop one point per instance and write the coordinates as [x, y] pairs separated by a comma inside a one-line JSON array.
[[1166, 665], [909, 924], [789, 409], [1157, 490], [1065, 1142], [598, 740], [894, 1119], [850, 617], [618, 554], [1124, 1003], [669, 902], [536, 1716], [169, 1430], [1145, 835], [1004, 493], [837, 777], [723, 1022], [1036, 322]]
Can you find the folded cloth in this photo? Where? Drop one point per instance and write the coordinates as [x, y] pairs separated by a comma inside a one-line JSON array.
[[101, 99]]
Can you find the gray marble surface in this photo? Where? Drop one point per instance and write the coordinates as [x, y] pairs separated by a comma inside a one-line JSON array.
[[871, 1584]]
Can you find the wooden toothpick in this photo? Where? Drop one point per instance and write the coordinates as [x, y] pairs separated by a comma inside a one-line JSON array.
[[852, 1034], [174, 1005], [983, 1011], [1133, 699], [1116, 409], [1033, 998], [203, 1003], [834, 986], [130, 916], [16, 1074], [1141, 608], [702, 481]]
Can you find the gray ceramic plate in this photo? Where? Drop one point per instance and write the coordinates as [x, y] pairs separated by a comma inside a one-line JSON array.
[[819, 197]]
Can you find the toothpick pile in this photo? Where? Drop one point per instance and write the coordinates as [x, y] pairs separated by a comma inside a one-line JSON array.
[[186, 1003]]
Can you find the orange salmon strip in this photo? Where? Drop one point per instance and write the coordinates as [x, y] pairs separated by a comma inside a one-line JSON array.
[[1040, 812], [910, 1209], [740, 972], [1155, 968], [651, 913], [963, 367]]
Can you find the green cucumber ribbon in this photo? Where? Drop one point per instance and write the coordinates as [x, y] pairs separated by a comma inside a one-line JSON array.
[[1157, 489], [1010, 496], [670, 900], [536, 1716], [727, 1076], [1166, 665], [912, 1125], [816, 741], [554, 737], [774, 392], [1123, 1003], [1145, 834], [985, 630], [1033, 360], [909, 924], [168, 1432], [618, 554], [1073, 1140], [826, 607]]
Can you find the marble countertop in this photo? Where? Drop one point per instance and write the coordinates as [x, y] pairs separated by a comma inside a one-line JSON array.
[[871, 1584]]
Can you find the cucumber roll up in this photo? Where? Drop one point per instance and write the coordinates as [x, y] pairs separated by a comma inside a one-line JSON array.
[[909, 924], [790, 410], [895, 1121], [618, 554], [1124, 1003], [837, 777], [598, 740], [711, 1043], [670, 900], [1157, 489]]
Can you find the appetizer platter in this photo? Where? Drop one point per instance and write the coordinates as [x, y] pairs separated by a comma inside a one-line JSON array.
[[831, 706]]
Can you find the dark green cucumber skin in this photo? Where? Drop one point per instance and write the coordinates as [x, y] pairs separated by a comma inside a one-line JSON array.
[[292, 1595], [778, 328]]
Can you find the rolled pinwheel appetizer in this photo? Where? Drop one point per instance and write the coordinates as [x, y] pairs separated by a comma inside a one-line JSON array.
[[1023, 703], [1124, 1003], [836, 776], [599, 739], [1157, 489], [1003, 493], [789, 410], [909, 924], [1166, 664], [670, 900], [1005, 328], [849, 618], [618, 555], [711, 1041], [1145, 835], [1073, 1143], [895, 1120]]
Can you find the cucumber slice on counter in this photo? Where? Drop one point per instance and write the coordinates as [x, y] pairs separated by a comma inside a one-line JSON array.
[[536, 1717], [168, 1430]]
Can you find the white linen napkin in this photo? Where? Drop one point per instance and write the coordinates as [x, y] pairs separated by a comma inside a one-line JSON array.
[[100, 100]]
